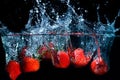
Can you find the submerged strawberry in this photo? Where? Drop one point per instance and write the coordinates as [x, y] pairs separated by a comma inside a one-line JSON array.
[[44, 52], [98, 66], [23, 52], [79, 59], [42, 49], [60, 59], [13, 68], [30, 64], [64, 59]]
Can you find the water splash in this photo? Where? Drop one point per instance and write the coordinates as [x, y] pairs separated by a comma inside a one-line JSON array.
[[41, 27]]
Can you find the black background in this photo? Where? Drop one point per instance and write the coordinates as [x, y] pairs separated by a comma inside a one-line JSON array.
[[14, 14]]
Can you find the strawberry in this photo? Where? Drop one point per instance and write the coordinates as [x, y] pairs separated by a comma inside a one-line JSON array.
[[44, 52], [47, 55], [13, 68], [79, 59], [98, 66], [30, 64], [23, 52], [42, 49], [61, 59]]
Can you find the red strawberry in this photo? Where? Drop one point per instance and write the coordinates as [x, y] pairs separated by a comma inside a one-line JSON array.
[[30, 64], [47, 55], [23, 52], [98, 66], [79, 59], [13, 68], [61, 59], [44, 51]]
